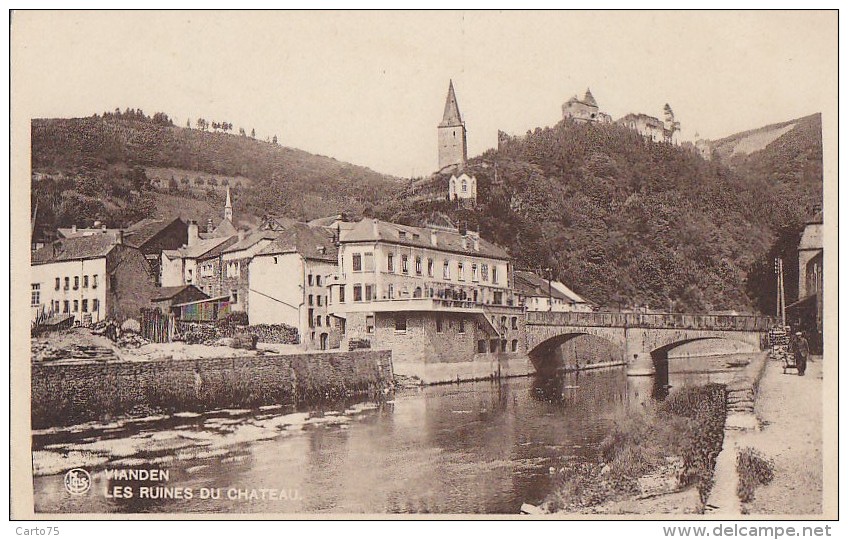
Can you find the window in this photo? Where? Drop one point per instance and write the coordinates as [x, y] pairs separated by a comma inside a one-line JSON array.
[[497, 297], [326, 300], [503, 323], [36, 294], [430, 267], [318, 282], [58, 283], [494, 274], [417, 292], [459, 271], [461, 325], [234, 297], [404, 264], [94, 281], [368, 263], [369, 324], [390, 262], [95, 305], [327, 320], [76, 306], [400, 323], [369, 293], [418, 265], [474, 272], [342, 294], [76, 282], [190, 275], [464, 185], [439, 327], [318, 320], [493, 345], [484, 272], [310, 314], [67, 283], [309, 280], [85, 306], [514, 345], [481, 345], [310, 300], [276, 260], [515, 324], [318, 299], [391, 291], [357, 293], [503, 345], [66, 306], [357, 262], [446, 270]]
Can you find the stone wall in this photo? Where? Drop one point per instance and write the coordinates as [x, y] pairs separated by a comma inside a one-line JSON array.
[[65, 394]]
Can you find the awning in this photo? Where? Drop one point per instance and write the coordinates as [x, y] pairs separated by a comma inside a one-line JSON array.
[[805, 303]]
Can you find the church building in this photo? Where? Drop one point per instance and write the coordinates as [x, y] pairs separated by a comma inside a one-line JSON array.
[[453, 151]]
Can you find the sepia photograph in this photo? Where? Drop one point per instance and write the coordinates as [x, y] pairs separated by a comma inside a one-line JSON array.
[[388, 264]]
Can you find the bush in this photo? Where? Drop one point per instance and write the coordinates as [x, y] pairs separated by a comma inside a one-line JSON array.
[[753, 470]]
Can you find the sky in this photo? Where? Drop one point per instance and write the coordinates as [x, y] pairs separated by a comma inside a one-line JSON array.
[[369, 87]]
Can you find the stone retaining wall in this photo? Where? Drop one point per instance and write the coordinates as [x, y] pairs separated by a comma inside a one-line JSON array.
[[65, 394]]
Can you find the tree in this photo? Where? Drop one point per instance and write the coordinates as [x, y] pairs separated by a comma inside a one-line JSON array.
[[241, 132], [252, 133], [274, 140], [188, 123]]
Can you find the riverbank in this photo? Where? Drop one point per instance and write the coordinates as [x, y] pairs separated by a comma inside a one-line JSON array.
[[659, 460], [83, 391], [786, 431]]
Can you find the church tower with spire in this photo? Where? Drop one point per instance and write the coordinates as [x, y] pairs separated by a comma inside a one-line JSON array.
[[228, 207], [451, 130]]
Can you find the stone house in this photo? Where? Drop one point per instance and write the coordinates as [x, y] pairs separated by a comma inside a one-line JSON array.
[[91, 277]]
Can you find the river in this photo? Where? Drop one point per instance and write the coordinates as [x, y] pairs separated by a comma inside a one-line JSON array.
[[479, 447]]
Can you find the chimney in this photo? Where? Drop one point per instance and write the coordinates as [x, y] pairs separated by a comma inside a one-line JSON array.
[[193, 233], [476, 239], [73, 228], [374, 228], [434, 240], [209, 226], [464, 242], [119, 238], [240, 235]]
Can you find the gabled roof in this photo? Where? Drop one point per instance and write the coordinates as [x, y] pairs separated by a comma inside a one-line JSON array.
[[224, 229], [167, 293], [451, 117], [200, 248], [70, 232], [77, 248], [317, 243], [371, 230], [529, 284], [140, 233], [251, 239]]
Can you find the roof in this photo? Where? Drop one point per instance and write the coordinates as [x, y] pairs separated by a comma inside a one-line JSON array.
[[77, 248], [224, 229], [251, 239], [817, 218], [576, 298], [167, 293], [529, 284], [198, 249], [371, 230], [317, 243], [648, 119], [140, 233], [451, 117], [70, 232], [326, 221], [589, 99]]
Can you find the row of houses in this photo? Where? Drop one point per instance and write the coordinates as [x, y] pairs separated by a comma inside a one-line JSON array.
[[424, 292]]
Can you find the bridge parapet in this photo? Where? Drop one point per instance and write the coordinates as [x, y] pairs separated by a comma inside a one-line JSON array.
[[677, 321]]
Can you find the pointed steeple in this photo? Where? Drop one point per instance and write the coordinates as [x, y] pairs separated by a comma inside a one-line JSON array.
[[228, 207], [589, 99], [451, 117]]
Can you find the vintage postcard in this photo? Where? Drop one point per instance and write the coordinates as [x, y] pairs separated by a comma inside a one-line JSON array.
[[528, 264]]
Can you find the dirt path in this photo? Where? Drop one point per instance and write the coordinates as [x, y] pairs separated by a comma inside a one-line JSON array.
[[791, 410]]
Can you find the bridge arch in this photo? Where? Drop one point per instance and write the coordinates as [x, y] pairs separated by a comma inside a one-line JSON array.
[[542, 353], [660, 345]]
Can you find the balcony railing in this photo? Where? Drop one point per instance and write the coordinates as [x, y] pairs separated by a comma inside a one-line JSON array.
[[681, 321]]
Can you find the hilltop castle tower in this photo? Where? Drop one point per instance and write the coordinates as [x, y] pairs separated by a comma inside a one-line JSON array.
[[452, 143], [228, 207]]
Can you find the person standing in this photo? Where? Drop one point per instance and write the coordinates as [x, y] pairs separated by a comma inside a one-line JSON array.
[[801, 349]]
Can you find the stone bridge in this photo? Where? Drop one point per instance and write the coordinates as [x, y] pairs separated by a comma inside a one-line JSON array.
[[645, 338]]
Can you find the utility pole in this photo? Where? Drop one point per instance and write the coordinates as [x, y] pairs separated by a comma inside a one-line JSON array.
[[781, 292]]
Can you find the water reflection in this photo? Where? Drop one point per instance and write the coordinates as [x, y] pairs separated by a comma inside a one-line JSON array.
[[465, 448]]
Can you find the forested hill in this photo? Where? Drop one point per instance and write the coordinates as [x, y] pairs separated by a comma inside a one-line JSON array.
[[628, 222], [121, 166]]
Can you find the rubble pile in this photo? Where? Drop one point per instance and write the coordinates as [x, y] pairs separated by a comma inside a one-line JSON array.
[[44, 352]]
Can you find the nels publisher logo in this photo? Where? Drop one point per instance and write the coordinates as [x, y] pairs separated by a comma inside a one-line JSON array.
[[77, 481]]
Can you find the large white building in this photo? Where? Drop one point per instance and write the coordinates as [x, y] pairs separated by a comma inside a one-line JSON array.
[[441, 300], [288, 284]]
